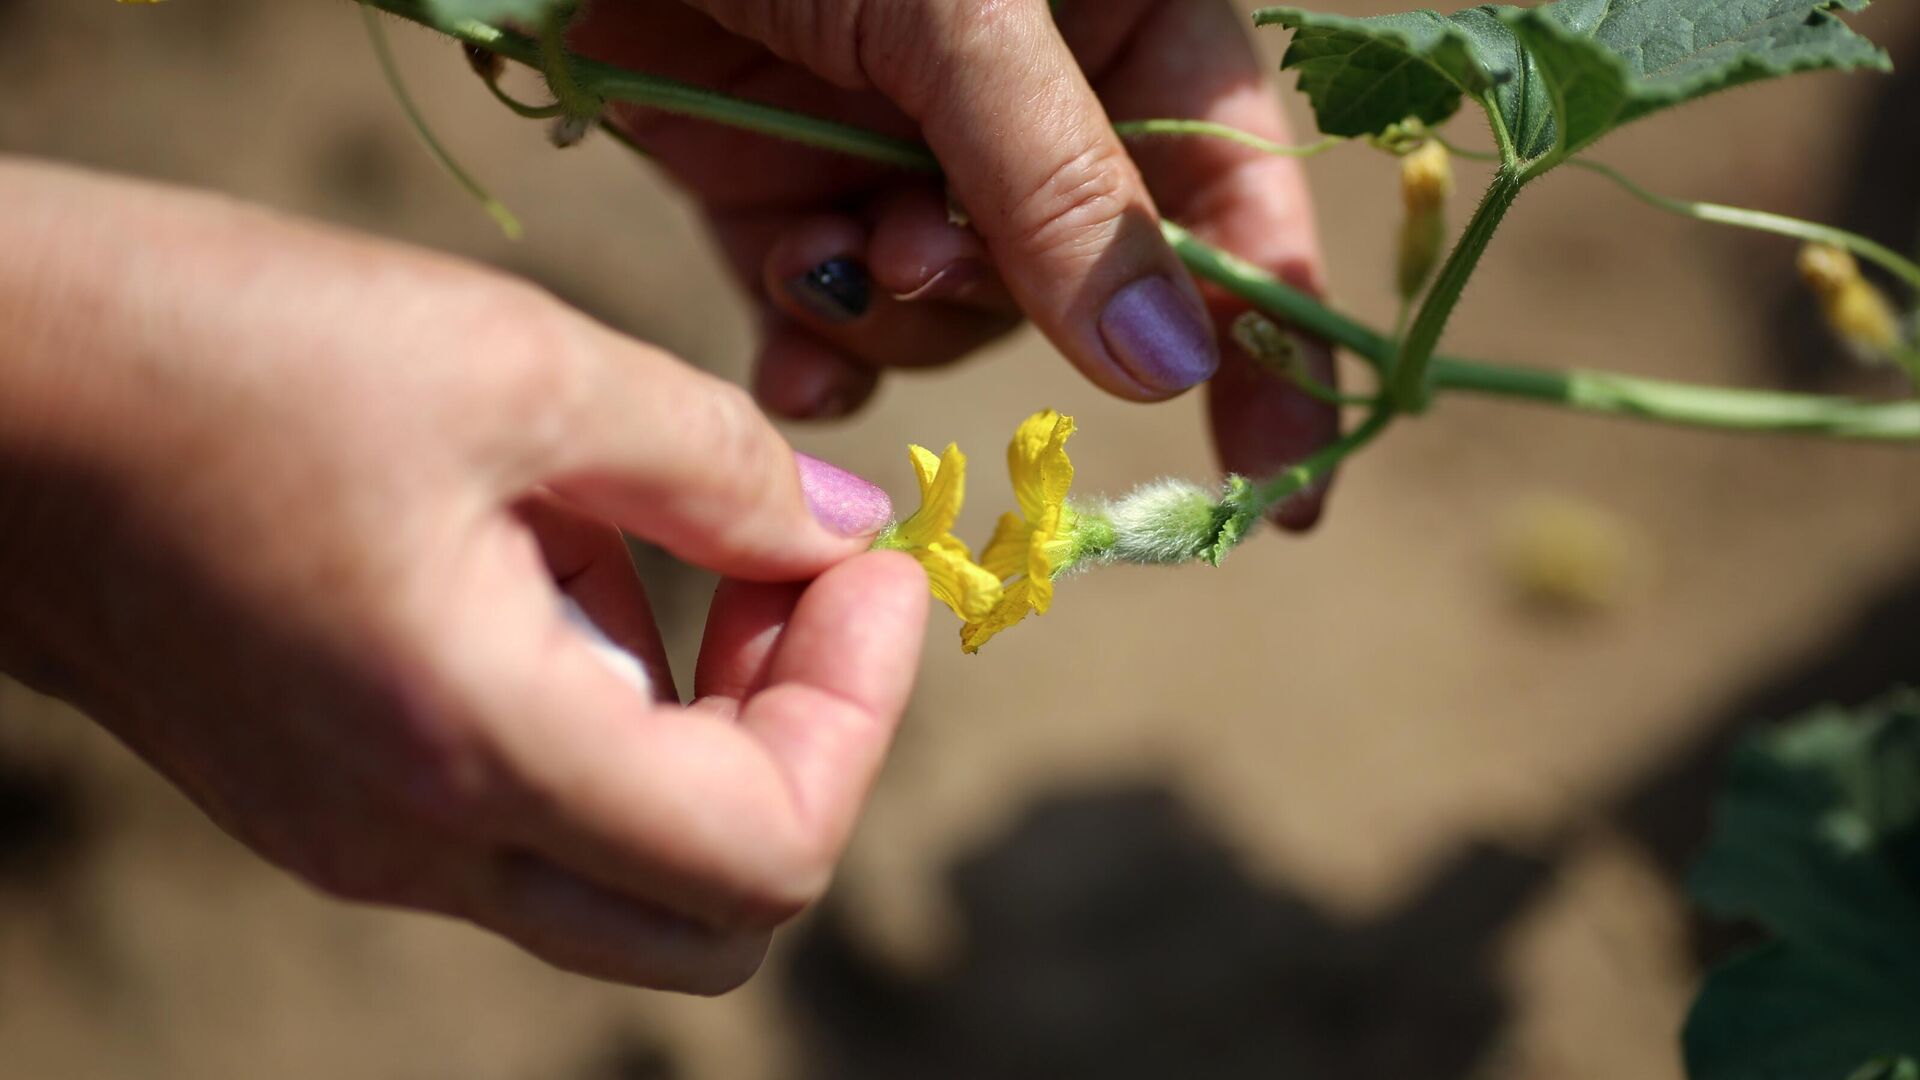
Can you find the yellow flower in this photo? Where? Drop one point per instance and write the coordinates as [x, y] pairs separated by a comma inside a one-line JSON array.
[[955, 578], [1029, 548]]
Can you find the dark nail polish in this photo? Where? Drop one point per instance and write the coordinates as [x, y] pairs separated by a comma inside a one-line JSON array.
[[836, 291], [1159, 336]]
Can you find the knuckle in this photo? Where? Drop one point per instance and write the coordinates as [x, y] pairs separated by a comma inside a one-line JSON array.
[[527, 372], [736, 440], [1071, 211], [916, 53], [822, 35], [455, 790]]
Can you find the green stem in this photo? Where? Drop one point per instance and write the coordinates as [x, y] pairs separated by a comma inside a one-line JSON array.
[[556, 63], [1657, 400], [383, 52], [1310, 470], [1740, 217], [522, 109], [1584, 391], [1761, 221], [682, 99], [1135, 129], [1407, 381], [1275, 297]]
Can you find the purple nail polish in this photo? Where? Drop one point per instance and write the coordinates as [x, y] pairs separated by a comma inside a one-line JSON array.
[[1159, 336], [842, 501]]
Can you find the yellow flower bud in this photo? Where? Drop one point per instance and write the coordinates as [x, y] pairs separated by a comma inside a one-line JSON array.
[[1569, 555], [1857, 312], [1426, 182], [1272, 347]]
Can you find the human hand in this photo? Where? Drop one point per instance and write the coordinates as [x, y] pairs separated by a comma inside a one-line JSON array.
[[293, 514], [859, 268]]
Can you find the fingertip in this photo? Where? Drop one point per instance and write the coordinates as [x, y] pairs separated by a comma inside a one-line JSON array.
[[858, 630], [743, 627], [919, 254], [897, 573], [1263, 423], [1302, 512], [1157, 331], [816, 271], [799, 377], [579, 926]]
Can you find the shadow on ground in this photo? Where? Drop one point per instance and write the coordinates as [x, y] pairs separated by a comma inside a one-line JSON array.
[[1112, 933]]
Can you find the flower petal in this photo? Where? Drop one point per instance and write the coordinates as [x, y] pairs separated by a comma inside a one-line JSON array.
[[943, 486], [1013, 606], [971, 592], [1038, 464], [1009, 553]]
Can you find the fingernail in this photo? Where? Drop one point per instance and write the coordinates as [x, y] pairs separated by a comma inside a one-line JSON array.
[[951, 282], [836, 291], [842, 501], [1158, 336]]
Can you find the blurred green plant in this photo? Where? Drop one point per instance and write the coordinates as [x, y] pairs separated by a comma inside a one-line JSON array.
[[1817, 838]]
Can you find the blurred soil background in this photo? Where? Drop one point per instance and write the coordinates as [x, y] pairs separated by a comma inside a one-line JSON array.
[[1349, 807]]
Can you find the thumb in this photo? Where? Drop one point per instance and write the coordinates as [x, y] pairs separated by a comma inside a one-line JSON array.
[[686, 461], [1031, 156]]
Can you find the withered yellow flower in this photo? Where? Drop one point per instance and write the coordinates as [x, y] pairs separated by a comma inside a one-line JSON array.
[[1031, 547], [956, 580]]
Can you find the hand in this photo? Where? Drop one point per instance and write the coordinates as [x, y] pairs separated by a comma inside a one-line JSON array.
[[860, 269], [294, 513]]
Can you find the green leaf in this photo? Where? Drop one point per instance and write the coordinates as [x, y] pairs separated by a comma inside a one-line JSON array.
[[1779, 1013], [1364, 75], [1607, 63], [449, 12], [1235, 516], [1817, 837], [1560, 75]]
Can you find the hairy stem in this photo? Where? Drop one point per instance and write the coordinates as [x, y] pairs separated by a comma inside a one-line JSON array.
[[556, 63], [682, 99], [1407, 381]]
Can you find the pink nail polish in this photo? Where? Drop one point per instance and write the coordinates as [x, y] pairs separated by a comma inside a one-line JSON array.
[[842, 501]]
